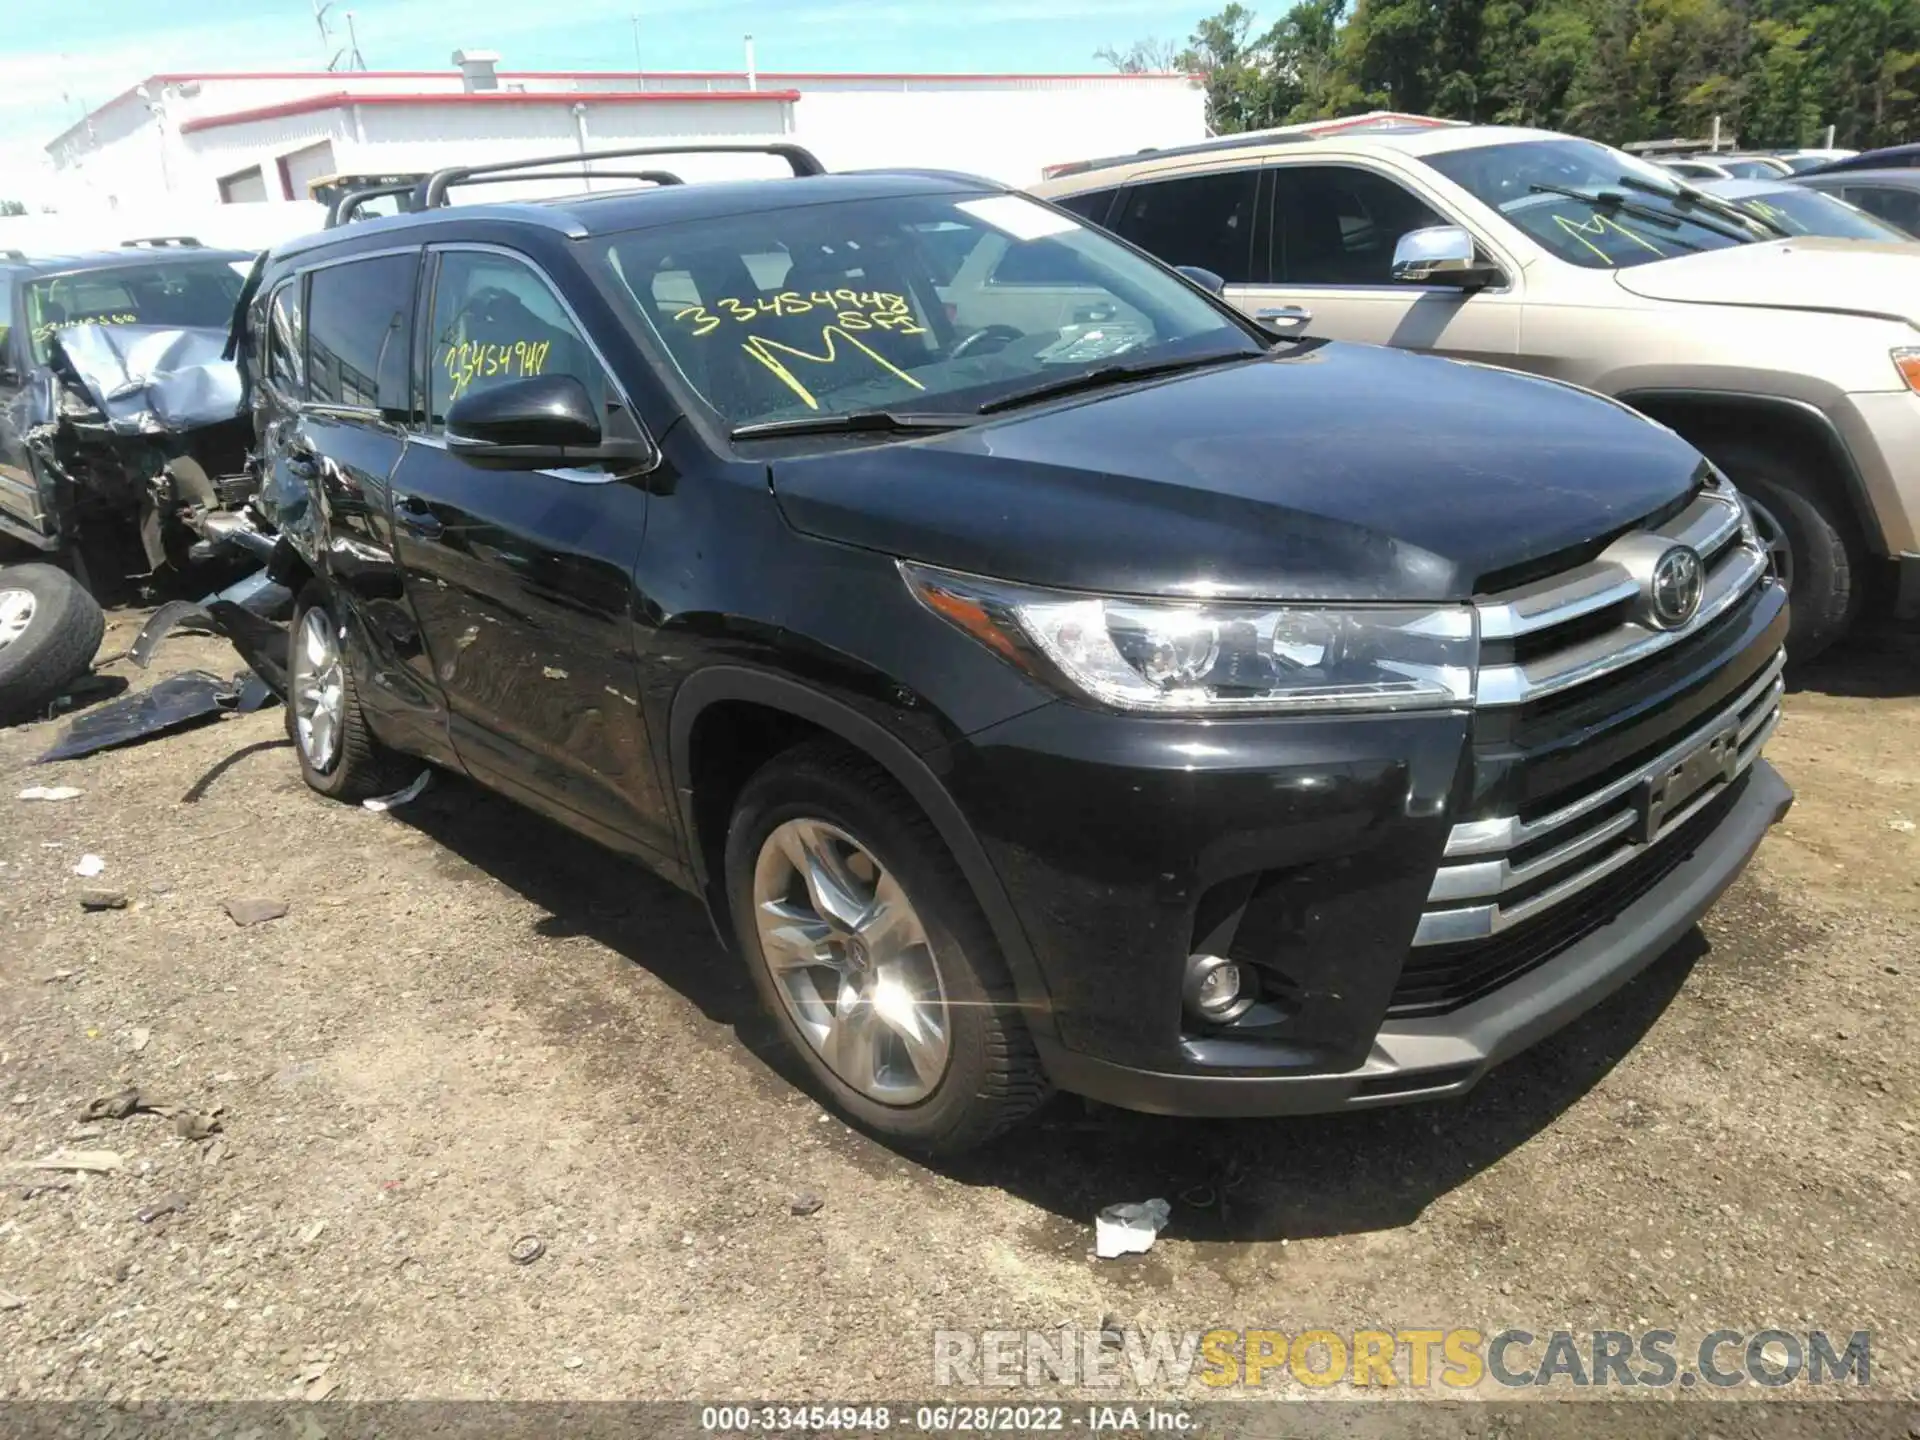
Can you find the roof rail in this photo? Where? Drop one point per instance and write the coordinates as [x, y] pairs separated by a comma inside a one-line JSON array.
[[802, 161], [349, 205], [162, 242], [1375, 122], [13, 254]]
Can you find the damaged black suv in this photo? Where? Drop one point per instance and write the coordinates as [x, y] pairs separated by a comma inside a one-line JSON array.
[[1046, 677], [121, 422]]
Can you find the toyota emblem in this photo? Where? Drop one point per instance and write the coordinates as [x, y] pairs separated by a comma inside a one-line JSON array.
[[1673, 594]]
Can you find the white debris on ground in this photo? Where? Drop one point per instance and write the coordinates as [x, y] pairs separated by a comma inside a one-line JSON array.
[[399, 797], [1129, 1228], [90, 866], [50, 792]]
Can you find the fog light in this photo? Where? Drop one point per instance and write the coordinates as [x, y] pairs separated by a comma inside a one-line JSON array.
[[1217, 989]]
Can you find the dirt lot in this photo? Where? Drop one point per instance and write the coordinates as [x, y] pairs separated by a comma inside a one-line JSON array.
[[472, 1027]]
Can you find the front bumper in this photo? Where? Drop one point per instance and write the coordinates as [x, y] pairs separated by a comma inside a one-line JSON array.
[[1448, 1054]]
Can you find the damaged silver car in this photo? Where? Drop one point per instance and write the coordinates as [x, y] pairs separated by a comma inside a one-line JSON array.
[[122, 428]]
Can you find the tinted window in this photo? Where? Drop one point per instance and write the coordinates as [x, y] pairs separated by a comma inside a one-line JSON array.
[[898, 302], [1896, 207], [1336, 225], [1561, 194], [1203, 220], [1091, 206], [286, 343], [359, 325], [496, 319], [189, 293]]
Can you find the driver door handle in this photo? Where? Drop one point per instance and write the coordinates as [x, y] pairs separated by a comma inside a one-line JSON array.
[[413, 514], [1284, 315]]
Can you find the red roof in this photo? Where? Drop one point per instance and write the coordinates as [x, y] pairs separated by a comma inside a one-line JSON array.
[[307, 104]]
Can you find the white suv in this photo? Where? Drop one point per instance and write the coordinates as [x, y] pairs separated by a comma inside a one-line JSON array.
[[1793, 362]]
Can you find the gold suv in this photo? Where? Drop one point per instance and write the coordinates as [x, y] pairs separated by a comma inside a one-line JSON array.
[[1794, 363]]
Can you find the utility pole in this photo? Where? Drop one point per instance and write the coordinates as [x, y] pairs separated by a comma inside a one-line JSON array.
[[635, 17]]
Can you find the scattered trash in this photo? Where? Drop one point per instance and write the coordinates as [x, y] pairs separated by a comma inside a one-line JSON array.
[[1129, 1228], [573, 1362], [103, 900], [10, 1301], [253, 910], [1905, 827], [313, 1232], [805, 1203], [171, 1203], [1199, 1197], [138, 1038], [50, 792], [175, 703], [90, 866], [312, 1383], [1113, 1332], [399, 797], [117, 1106], [88, 1162], [526, 1250], [195, 1124]]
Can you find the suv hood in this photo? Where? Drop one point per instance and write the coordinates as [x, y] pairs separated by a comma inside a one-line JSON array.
[[1845, 277], [1323, 472]]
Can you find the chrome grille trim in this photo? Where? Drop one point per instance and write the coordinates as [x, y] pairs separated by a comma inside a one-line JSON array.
[[1714, 525], [1612, 815]]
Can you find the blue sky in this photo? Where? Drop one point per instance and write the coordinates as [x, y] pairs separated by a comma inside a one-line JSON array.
[[80, 54]]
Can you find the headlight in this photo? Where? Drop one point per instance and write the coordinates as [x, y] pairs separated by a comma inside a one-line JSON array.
[[1187, 658]]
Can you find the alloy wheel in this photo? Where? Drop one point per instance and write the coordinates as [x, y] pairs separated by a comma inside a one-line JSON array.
[[851, 961], [319, 686], [16, 614]]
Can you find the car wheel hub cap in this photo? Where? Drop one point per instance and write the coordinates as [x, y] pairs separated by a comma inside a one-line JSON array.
[[319, 691], [16, 614], [851, 962]]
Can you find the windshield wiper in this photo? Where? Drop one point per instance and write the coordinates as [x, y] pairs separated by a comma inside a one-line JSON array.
[[852, 423], [1687, 197], [1102, 375]]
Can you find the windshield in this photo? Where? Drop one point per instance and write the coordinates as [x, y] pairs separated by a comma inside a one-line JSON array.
[[921, 303], [1522, 180], [1809, 212], [180, 293]]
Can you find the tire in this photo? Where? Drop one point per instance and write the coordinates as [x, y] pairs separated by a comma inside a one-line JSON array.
[[991, 1078], [351, 766], [1816, 551], [50, 630]]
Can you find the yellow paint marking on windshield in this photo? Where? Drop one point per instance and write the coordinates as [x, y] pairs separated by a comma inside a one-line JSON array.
[[760, 348], [1603, 225], [852, 309], [50, 328]]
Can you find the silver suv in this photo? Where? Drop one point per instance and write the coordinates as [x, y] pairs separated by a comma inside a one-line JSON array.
[[1792, 362]]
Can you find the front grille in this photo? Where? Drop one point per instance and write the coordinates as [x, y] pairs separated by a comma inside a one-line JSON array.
[[1556, 634], [1500, 873], [1440, 978]]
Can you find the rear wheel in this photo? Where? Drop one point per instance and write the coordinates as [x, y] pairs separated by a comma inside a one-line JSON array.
[[1809, 539], [868, 949], [338, 755], [50, 630]]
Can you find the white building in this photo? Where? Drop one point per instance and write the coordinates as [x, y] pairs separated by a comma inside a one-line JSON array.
[[260, 137]]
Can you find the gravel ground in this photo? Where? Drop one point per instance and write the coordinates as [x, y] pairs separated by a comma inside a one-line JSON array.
[[471, 1027]]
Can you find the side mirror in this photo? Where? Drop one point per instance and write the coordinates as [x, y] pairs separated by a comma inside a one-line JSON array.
[[1440, 255], [1205, 279], [544, 422]]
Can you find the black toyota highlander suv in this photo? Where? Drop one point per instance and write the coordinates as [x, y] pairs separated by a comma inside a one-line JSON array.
[[1046, 677]]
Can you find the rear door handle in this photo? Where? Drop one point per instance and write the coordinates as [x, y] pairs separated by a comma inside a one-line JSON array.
[[412, 514]]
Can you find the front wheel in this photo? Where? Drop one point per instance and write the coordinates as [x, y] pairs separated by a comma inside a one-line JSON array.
[[868, 949], [338, 755], [1809, 542]]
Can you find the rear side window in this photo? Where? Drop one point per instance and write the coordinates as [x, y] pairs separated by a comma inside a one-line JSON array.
[[1204, 220], [286, 342], [496, 319], [359, 327], [1896, 207], [1091, 207]]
